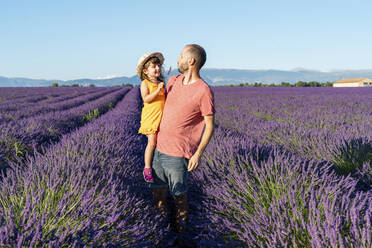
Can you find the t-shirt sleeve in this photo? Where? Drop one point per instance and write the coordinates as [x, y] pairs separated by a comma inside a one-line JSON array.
[[170, 82], [207, 103]]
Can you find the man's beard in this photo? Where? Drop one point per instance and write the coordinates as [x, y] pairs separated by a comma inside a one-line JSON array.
[[182, 69]]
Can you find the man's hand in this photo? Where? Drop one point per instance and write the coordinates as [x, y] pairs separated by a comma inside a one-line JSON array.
[[208, 131], [193, 162]]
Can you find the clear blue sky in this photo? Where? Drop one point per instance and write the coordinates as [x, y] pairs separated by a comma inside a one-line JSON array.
[[91, 39]]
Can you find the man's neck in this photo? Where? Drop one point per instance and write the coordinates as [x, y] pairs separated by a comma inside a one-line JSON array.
[[191, 77]]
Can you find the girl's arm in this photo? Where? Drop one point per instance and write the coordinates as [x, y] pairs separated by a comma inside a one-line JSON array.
[[146, 97]]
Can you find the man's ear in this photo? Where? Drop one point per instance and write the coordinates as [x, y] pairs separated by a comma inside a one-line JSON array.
[[191, 61]]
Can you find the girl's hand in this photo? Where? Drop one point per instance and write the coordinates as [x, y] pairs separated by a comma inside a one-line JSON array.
[[161, 85]]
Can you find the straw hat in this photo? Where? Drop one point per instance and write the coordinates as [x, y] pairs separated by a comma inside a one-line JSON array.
[[142, 61]]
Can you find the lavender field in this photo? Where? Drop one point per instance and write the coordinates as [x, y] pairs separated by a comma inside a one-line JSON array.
[[286, 167]]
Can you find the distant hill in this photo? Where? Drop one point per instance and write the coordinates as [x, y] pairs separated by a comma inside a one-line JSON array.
[[234, 76], [26, 82], [212, 76]]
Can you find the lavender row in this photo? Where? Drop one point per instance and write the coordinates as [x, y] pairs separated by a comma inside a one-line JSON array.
[[261, 196], [15, 93], [12, 93], [78, 91], [27, 94], [45, 97], [58, 106], [327, 124], [17, 139], [23, 102], [84, 191], [98, 166]]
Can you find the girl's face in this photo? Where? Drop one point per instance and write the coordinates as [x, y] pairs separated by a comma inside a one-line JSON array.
[[153, 70]]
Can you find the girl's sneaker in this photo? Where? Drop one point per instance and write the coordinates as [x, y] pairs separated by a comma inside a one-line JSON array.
[[147, 175]]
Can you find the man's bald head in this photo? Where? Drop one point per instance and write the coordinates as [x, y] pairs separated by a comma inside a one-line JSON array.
[[198, 53]]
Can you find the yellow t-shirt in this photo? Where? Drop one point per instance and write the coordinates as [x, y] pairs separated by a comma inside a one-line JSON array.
[[153, 111]]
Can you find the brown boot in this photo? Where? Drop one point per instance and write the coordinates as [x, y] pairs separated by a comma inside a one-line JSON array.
[[181, 215], [160, 200]]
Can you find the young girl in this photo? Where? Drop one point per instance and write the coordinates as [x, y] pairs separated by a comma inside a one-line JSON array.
[[149, 69]]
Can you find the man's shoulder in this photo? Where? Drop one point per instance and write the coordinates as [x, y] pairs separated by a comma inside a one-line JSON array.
[[173, 78], [204, 83], [205, 86], [172, 82]]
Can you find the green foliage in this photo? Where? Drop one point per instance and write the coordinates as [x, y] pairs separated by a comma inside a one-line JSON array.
[[301, 84], [314, 84], [257, 84], [91, 115], [55, 84], [13, 149], [92, 85], [19, 149], [45, 208], [263, 116], [284, 84], [123, 85], [262, 192], [351, 156]]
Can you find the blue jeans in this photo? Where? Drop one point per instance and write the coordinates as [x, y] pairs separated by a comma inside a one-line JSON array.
[[169, 172]]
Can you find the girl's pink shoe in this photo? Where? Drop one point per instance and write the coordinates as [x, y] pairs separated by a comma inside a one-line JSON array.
[[147, 175]]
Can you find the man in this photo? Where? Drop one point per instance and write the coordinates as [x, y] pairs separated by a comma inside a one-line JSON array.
[[188, 111]]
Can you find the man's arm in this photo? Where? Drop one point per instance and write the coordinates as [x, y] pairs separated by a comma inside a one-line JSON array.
[[207, 135]]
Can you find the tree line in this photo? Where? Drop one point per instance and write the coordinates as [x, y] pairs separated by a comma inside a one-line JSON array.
[[255, 84], [90, 85], [285, 84]]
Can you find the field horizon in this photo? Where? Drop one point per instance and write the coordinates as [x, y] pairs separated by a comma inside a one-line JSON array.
[[214, 77]]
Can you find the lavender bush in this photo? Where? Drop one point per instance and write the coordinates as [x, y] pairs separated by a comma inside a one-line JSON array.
[[83, 191], [265, 197], [285, 168], [16, 98], [19, 138], [50, 106], [321, 123]]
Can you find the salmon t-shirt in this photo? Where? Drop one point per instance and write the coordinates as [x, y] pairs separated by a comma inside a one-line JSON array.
[[182, 124]]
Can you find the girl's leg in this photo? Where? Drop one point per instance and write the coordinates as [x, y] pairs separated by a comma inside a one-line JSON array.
[[151, 144]]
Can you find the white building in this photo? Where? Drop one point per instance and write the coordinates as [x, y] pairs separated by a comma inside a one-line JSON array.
[[353, 82]]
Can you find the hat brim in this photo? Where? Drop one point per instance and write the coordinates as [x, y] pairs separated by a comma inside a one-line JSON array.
[[143, 62]]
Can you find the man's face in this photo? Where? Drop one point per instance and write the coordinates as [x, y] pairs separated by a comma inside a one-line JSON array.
[[182, 61]]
